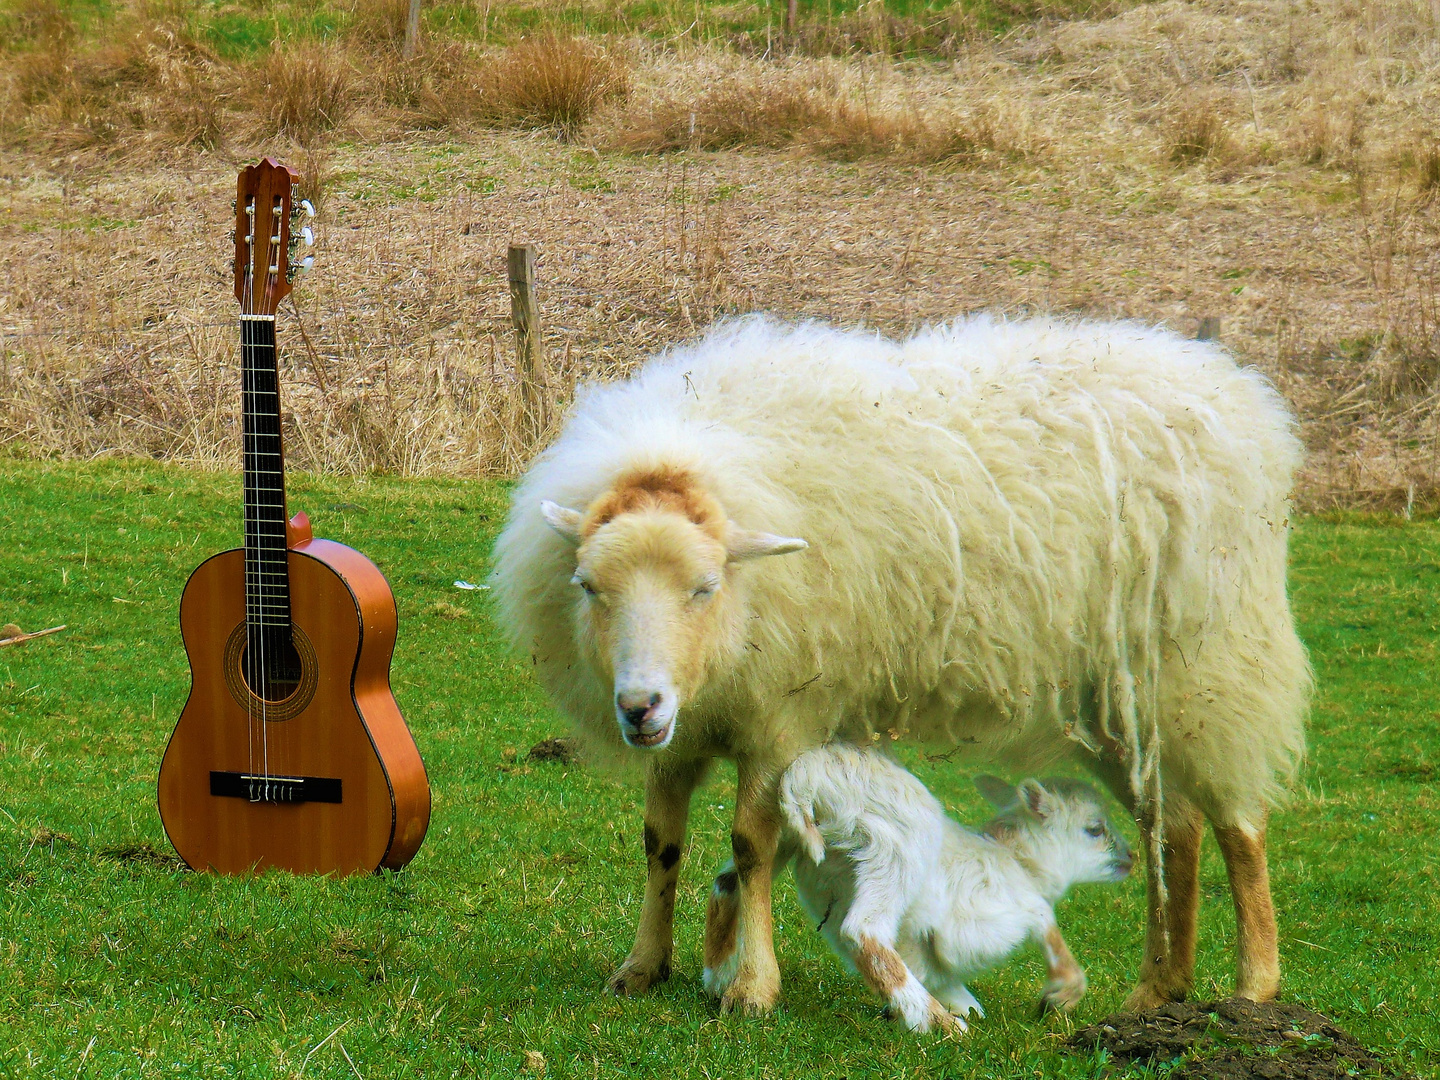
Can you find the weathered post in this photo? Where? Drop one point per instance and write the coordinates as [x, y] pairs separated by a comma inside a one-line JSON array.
[[792, 15], [1209, 328], [529, 344], [412, 30]]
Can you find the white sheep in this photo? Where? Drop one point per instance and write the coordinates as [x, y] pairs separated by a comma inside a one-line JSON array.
[[915, 904], [1033, 540]]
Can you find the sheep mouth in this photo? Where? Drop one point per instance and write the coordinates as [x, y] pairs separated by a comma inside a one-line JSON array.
[[647, 736]]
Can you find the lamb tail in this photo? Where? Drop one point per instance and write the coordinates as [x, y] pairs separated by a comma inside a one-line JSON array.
[[801, 821]]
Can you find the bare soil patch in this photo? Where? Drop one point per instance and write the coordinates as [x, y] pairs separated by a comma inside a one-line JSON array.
[[1233, 1039], [556, 749]]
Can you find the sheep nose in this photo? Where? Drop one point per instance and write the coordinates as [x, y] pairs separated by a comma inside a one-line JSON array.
[[635, 706]]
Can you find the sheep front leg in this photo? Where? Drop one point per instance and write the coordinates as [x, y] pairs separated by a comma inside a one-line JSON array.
[[667, 806], [754, 840]]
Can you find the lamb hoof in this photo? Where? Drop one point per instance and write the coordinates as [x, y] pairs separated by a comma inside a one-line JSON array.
[[749, 999], [1062, 998], [634, 977], [945, 1022]]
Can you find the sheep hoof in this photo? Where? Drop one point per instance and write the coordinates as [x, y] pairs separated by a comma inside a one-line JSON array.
[[750, 998], [634, 977], [1152, 996]]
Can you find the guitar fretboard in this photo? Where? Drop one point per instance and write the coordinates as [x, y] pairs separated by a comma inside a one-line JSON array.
[[267, 577]]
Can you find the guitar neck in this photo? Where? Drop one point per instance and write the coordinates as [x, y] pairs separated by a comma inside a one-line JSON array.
[[267, 577]]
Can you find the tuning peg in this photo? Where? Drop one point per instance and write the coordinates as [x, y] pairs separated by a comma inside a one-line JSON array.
[[307, 207], [308, 235], [306, 263]]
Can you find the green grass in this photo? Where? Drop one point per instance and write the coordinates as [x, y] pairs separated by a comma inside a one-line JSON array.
[[497, 939]]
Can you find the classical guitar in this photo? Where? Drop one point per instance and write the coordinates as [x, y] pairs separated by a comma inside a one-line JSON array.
[[290, 751]]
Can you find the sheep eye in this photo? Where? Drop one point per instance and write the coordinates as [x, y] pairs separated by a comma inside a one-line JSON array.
[[578, 580], [704, 592], [1095, 831]]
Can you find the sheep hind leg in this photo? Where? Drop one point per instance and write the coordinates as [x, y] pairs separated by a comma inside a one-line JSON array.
[[1167, 972], [1256, 946]]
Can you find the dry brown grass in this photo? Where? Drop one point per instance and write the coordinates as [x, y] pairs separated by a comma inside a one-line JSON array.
[[304, 90], [553, 81], [1196, 131], [811, 109], [1309, 224], [379, 23]]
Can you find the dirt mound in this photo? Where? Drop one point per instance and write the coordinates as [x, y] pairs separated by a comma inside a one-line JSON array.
[[1233, 1039], [561, 750]]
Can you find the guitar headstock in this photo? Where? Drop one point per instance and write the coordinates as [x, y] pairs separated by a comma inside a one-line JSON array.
[[265, 242]]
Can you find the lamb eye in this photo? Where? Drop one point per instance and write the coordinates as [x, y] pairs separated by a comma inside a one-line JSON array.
[[578, 580], [1095, 831]]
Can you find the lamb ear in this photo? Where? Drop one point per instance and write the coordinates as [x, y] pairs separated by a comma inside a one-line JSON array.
[[997, 792], [755, 545], [563, 520], [1033, 794]]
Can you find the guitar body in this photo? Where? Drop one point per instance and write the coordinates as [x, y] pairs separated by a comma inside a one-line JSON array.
[[353, 794]]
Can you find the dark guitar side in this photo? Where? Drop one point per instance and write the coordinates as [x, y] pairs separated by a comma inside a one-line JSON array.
[[351, 730]]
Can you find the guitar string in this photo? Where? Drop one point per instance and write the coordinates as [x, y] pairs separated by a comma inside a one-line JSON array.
[[246, 377], [270, 236]]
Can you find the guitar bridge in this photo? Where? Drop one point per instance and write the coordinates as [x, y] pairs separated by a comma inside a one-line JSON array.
[[275, 789]]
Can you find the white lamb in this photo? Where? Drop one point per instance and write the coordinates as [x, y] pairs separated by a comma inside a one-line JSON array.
[[916, 904]]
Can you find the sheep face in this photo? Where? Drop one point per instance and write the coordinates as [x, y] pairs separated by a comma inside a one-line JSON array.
[[656, 612], [654, 615]]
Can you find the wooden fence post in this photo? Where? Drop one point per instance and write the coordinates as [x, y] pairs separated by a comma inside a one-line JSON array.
[[529, 344], [412, 30]]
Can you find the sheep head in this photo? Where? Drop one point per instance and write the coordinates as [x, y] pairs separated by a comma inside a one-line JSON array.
[[656, 610]]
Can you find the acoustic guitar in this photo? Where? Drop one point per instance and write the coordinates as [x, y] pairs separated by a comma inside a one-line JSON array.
[[290, 751]]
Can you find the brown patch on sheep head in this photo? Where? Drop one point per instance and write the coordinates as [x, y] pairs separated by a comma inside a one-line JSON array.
[[653, 563]]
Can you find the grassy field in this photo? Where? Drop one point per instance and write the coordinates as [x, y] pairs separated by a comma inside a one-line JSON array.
[[495, 942]]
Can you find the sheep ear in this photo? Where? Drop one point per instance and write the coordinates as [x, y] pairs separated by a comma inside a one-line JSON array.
[[756, 545], [563, 520], [997, 792], [1033, 794]]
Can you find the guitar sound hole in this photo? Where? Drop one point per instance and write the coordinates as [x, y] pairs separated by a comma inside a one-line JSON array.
[[277, 671]]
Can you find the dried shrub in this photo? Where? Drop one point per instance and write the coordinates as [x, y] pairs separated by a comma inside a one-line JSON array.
[[1328, 135], [774, 110], [1196, 131], [188, 103], [439, 87], [379, 22], [42, 22], [303, 90], [316, 167], [1422, 161], [553, 81]]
